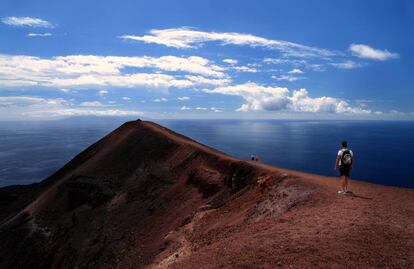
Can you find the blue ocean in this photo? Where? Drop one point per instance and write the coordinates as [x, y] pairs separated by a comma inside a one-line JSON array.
[[29, 152]]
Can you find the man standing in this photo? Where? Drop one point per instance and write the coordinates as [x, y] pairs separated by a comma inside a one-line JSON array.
[[344, 162]]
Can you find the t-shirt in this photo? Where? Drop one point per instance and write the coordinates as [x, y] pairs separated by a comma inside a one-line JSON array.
[[340, 154]]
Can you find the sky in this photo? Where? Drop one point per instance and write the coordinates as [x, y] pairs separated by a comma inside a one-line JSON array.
[[207, 59]]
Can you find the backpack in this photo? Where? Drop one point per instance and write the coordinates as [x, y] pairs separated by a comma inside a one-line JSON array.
[[346, 158]]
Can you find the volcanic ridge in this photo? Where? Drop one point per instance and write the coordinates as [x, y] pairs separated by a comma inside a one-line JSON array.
[[146, 197]]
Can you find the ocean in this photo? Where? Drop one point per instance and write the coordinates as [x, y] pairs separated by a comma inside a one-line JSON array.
[[29, 152]]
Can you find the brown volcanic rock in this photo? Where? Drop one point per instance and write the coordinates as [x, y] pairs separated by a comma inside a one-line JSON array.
[[144, 196]]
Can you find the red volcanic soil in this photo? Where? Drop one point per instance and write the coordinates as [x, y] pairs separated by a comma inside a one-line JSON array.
[[146, 197]]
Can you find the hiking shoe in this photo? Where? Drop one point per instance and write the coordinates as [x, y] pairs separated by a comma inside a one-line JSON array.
[[341, 192]]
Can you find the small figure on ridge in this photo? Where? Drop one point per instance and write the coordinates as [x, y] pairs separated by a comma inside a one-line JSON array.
[[344, 161], [254, 157]]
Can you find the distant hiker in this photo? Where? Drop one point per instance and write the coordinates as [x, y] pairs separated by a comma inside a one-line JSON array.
[[344, 161], [253, 157]]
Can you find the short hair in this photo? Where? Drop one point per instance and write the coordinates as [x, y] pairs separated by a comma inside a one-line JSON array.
[[344, 143]]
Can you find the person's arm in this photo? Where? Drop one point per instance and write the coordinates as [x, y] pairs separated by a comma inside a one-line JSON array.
[[338, 157], [352, 163]]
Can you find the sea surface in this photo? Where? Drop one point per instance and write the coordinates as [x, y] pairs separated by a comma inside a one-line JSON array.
[[384, 150]]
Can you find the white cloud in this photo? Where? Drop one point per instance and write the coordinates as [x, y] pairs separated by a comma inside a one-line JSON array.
[[126, 98], [38, 34], [346, 65], [143, 80], [295, 71], [258, 98], [278, 61], [200, 80], [230, 61], [89, 112], [395, 112], [91, 104], [21, 101], [27, 21], [295, 63], [102, 92], [300, 101], [244, 69], [213, 109], [287, 77], [367, 52], [157, 100], [100, 71], [185, 38], [23, 107], [183, 98]]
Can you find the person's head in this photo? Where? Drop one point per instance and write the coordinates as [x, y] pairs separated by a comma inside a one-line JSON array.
[[344, 144]]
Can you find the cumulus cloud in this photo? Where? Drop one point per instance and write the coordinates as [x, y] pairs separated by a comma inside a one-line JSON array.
[[126, 98], [101, 71], [38, 34], [27, 22], [102, 92], [295, 71], [183, 98], [230, 61], [185, 38], [258, 98], [19, 107], [367, 52]]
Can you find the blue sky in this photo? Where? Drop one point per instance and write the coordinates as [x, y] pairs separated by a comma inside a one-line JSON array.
[[207, 59]]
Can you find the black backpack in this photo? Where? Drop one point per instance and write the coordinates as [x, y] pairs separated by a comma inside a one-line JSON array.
[[346, 158]]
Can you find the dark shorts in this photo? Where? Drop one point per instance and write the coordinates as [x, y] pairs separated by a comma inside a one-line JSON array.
[[344, 170]]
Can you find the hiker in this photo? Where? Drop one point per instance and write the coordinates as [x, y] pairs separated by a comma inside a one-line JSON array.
[[344, 161], [256, 158], [253, 156]]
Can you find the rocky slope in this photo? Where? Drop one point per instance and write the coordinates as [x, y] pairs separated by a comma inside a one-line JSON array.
[[146, 197]]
